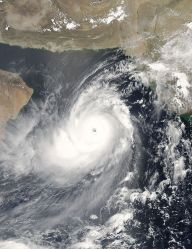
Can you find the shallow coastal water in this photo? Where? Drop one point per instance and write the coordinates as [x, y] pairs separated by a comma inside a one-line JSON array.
[[92, 161]]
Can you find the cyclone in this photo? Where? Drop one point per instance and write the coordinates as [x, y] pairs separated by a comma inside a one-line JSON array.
[[96, 134]]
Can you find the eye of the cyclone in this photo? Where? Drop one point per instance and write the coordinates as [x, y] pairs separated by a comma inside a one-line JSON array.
[[93, 133]]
